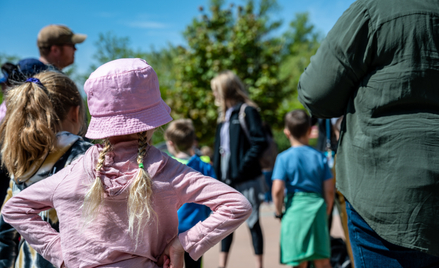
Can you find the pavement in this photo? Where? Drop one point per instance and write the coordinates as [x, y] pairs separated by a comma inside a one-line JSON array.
[[241, 253]]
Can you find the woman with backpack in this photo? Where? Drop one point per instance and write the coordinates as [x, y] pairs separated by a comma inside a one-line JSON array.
[[239, 143]]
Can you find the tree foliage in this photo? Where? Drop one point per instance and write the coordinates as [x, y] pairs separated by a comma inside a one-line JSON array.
[[237, 38], [8, 58], [111, 47], [301, 42]]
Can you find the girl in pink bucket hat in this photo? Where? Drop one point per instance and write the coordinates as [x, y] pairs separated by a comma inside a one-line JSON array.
[[117, 205]]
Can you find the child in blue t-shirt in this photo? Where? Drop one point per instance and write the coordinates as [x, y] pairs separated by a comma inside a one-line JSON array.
[[180, 138], [303, 174]]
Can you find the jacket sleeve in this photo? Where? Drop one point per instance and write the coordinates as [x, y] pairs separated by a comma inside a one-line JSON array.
[[257, 139], [339, 65], [229, 210], [22, 212], [216, 157], [9, 238]]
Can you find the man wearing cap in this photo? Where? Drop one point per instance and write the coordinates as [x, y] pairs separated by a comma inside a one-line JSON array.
[[57, 45]]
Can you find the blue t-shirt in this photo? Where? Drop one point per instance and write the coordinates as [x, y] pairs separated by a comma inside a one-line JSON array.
[[303, 169], [190, 213]]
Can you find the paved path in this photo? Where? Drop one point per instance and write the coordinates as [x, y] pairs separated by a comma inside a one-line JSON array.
[[241, 254]]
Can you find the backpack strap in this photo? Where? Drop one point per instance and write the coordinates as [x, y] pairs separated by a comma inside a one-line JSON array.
[[241, 118]]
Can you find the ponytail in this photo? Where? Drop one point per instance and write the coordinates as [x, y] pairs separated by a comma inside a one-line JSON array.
[[34, 114], [27, 131]]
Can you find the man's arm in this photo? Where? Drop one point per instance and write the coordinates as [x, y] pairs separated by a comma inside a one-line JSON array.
[[341, 62]]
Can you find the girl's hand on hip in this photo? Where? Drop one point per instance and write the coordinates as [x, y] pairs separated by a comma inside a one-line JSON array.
[[173, 256]]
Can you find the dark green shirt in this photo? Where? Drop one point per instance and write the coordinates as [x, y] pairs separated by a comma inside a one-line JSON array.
[[379, 66]]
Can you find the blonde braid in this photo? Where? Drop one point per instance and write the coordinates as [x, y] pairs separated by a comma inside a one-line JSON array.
[[139, 201], [93, 197]]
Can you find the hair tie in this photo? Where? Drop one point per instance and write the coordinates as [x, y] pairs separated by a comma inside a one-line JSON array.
[[35, 80], [141, 165]]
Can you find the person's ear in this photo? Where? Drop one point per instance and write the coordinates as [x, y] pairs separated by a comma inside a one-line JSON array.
[[55, 50], [308, 133], [72, 122], [287, 133], [170, 146], [74, 114]]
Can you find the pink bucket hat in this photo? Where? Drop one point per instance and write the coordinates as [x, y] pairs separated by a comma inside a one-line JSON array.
[[124, 98]]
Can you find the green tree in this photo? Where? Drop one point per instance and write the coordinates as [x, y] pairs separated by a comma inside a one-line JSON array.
[[301, 42], [237, 38], [8, 58], [110, 47]]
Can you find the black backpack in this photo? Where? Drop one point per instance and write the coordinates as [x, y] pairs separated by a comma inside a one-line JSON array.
[[339, 254], [268, 157]]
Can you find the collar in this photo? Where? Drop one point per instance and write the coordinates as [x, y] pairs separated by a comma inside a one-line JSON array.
[[41, 168]]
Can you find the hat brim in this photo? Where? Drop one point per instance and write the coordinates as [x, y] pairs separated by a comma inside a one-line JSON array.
[[78, 38], [124, 124]]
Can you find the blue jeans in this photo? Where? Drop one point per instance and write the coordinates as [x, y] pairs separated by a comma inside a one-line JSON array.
[[370, 250]]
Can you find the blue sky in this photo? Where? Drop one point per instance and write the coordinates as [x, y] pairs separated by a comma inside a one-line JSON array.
[[147, 23]]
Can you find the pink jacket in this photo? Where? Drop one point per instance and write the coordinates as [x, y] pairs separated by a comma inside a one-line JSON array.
[[106, 241]]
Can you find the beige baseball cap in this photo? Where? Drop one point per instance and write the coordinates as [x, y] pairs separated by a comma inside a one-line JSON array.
[[58, 35]]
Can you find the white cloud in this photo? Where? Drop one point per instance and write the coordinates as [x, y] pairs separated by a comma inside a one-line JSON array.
[[147, 25]]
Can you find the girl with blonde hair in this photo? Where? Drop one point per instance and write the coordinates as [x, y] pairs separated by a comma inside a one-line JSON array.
[[39, 136], [239, 143], [118, 204]]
